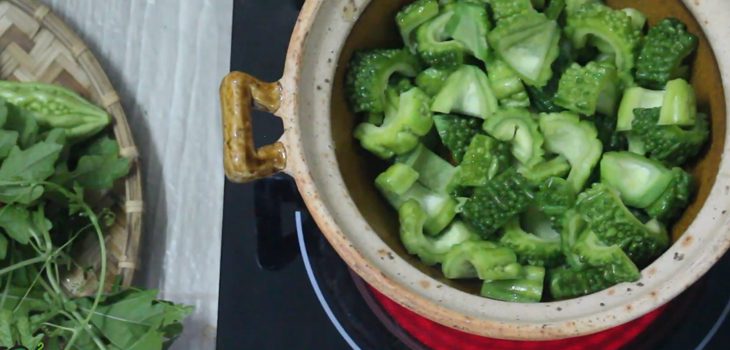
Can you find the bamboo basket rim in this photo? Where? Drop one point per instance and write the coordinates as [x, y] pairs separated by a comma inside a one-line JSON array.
[[36, 21]]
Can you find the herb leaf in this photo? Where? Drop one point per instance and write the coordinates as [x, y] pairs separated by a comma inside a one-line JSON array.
[[3, 111], [16, 223], [8, 139], [22, 121], [20, 194], [25, 332], [3, 247], [16, 328], [34, 164], [98, 168], [134, 319], [6, 334]]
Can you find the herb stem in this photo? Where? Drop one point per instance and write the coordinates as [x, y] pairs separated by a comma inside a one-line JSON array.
[[53, 325], [84, 323], [86, 328], [30, 288], [9, 280], [72, 316], [37, 260]]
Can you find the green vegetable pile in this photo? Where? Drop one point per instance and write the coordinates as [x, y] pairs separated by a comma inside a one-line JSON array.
[[57, 167], [532, 143]]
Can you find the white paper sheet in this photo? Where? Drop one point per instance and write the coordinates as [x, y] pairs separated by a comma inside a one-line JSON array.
[[166, 59]]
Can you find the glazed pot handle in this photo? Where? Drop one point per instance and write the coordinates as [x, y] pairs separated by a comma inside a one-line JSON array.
[[243, 162]]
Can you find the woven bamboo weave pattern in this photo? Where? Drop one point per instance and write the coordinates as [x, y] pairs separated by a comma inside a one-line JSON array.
[[35, 45]]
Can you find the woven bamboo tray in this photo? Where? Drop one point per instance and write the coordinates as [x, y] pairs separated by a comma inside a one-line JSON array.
[[35, 45]]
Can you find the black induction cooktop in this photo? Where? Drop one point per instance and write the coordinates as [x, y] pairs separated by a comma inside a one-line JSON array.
[[283, 286], [271, 296]]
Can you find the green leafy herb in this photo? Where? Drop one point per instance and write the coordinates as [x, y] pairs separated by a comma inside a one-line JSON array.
[[98, 168], [8, 140], [136, 320], [45, 179], [3, 247], [23, 122], [34, 164], [22, 170], [15, 221]]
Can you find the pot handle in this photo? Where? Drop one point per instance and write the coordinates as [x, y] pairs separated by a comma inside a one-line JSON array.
[[241, 160]]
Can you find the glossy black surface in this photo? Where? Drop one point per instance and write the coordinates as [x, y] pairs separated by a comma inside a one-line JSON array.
[[260, 308], [267, 301], [266, 298]]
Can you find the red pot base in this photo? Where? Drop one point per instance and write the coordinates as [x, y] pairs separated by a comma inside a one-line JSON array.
[[439, 337]]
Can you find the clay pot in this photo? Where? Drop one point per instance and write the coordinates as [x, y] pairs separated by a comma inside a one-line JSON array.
[[335, 176]]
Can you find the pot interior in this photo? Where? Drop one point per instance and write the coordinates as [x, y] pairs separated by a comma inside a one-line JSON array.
[[376, 29]]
